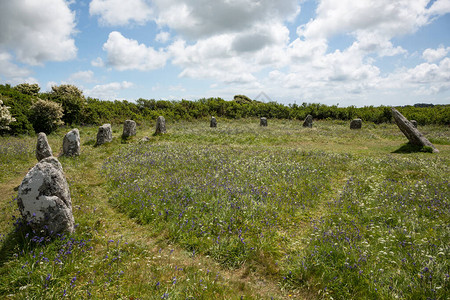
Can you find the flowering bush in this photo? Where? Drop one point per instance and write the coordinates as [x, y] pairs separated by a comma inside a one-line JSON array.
[[46, 115], [5, 117]]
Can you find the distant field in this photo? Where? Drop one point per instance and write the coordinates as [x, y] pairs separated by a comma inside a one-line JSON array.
[[238, 211]]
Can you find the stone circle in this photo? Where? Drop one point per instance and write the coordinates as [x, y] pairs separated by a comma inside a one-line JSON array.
[[43, 149], [71, 143], [104, 134]]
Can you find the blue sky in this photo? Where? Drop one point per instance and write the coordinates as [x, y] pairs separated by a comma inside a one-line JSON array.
[[384, 52]]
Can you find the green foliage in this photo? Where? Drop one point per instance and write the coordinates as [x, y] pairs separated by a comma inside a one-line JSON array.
[[46, 115], [28, 89], [19, 108], [72, 101]]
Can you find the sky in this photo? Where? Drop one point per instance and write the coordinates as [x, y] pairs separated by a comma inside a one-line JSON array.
[[346, 52]]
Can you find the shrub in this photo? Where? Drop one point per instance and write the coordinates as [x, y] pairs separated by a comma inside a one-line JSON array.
[[72, 101], [5, 117], [28, 89], [46, 115]]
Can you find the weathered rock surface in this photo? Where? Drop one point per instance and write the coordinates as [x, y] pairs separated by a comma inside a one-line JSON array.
[[71, 143], [160, 125], [308, 121], [44, 198], [263, 122], [104, 134], [43, 149], [213, 122], [408, 129], [414, 122], [129, 128], [356, 124]]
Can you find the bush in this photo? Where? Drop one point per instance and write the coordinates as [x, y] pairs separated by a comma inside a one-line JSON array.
[[5, 117], [46, 115], [28, 89], [72, 101]]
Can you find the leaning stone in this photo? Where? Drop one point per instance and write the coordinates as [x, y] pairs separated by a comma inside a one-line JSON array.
[[408, 129], [308, 121], [71, 143], [44, 198], [160, 125], [356, 124], [414, 122], [43, 149], [129, 128], [213, 122], [263, 122], [104, 134]]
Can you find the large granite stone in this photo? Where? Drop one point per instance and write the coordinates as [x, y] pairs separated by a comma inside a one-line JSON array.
[[129, 128], [408, 129], [263, 122], [356, 124], [213, 122], [43, 149], [44, 198], [160, 125], [308, 121], [104, 134], [71, 143]]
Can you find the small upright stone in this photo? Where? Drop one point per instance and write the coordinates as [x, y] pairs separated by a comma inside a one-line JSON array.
[[308, 121], [104, 134], [263, 122], [44, 198], [414, 122], [356, 124], [213, 122], [413, 135], [43, 149], [160, 125], [129, 128], [71, 143]]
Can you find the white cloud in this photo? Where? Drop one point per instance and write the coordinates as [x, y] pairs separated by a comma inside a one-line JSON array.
[[432, 55], [12, 73], [108, 91], [38, 31], [199, 19], [127, 54], [98, 62], [82, 76], [386, 18], [120, 12], [163, 37]]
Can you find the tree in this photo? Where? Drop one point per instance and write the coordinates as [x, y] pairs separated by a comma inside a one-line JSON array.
[[72, 100], [46, 115]]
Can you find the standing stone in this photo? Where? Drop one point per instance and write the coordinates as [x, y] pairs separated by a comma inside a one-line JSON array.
[[44, 198], [160, 125], [408, 129], [71, 143], [213, 122], [308, 121], [414, 122], [356, 124], [43, 149], [129, 128], [263, 122], [104, 134]]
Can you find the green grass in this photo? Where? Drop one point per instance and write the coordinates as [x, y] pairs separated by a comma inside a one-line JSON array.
[[239, 210]]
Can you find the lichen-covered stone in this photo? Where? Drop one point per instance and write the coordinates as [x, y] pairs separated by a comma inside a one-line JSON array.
[[104, 134], [356, 124], [308, 121], [263, 122], [71, 143], [414, 122], [213, 122], [43, 149], [160, 125], [414, 136], [129, 128], [44, 198]]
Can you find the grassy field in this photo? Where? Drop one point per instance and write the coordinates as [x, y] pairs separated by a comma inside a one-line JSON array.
[[237, 212]]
